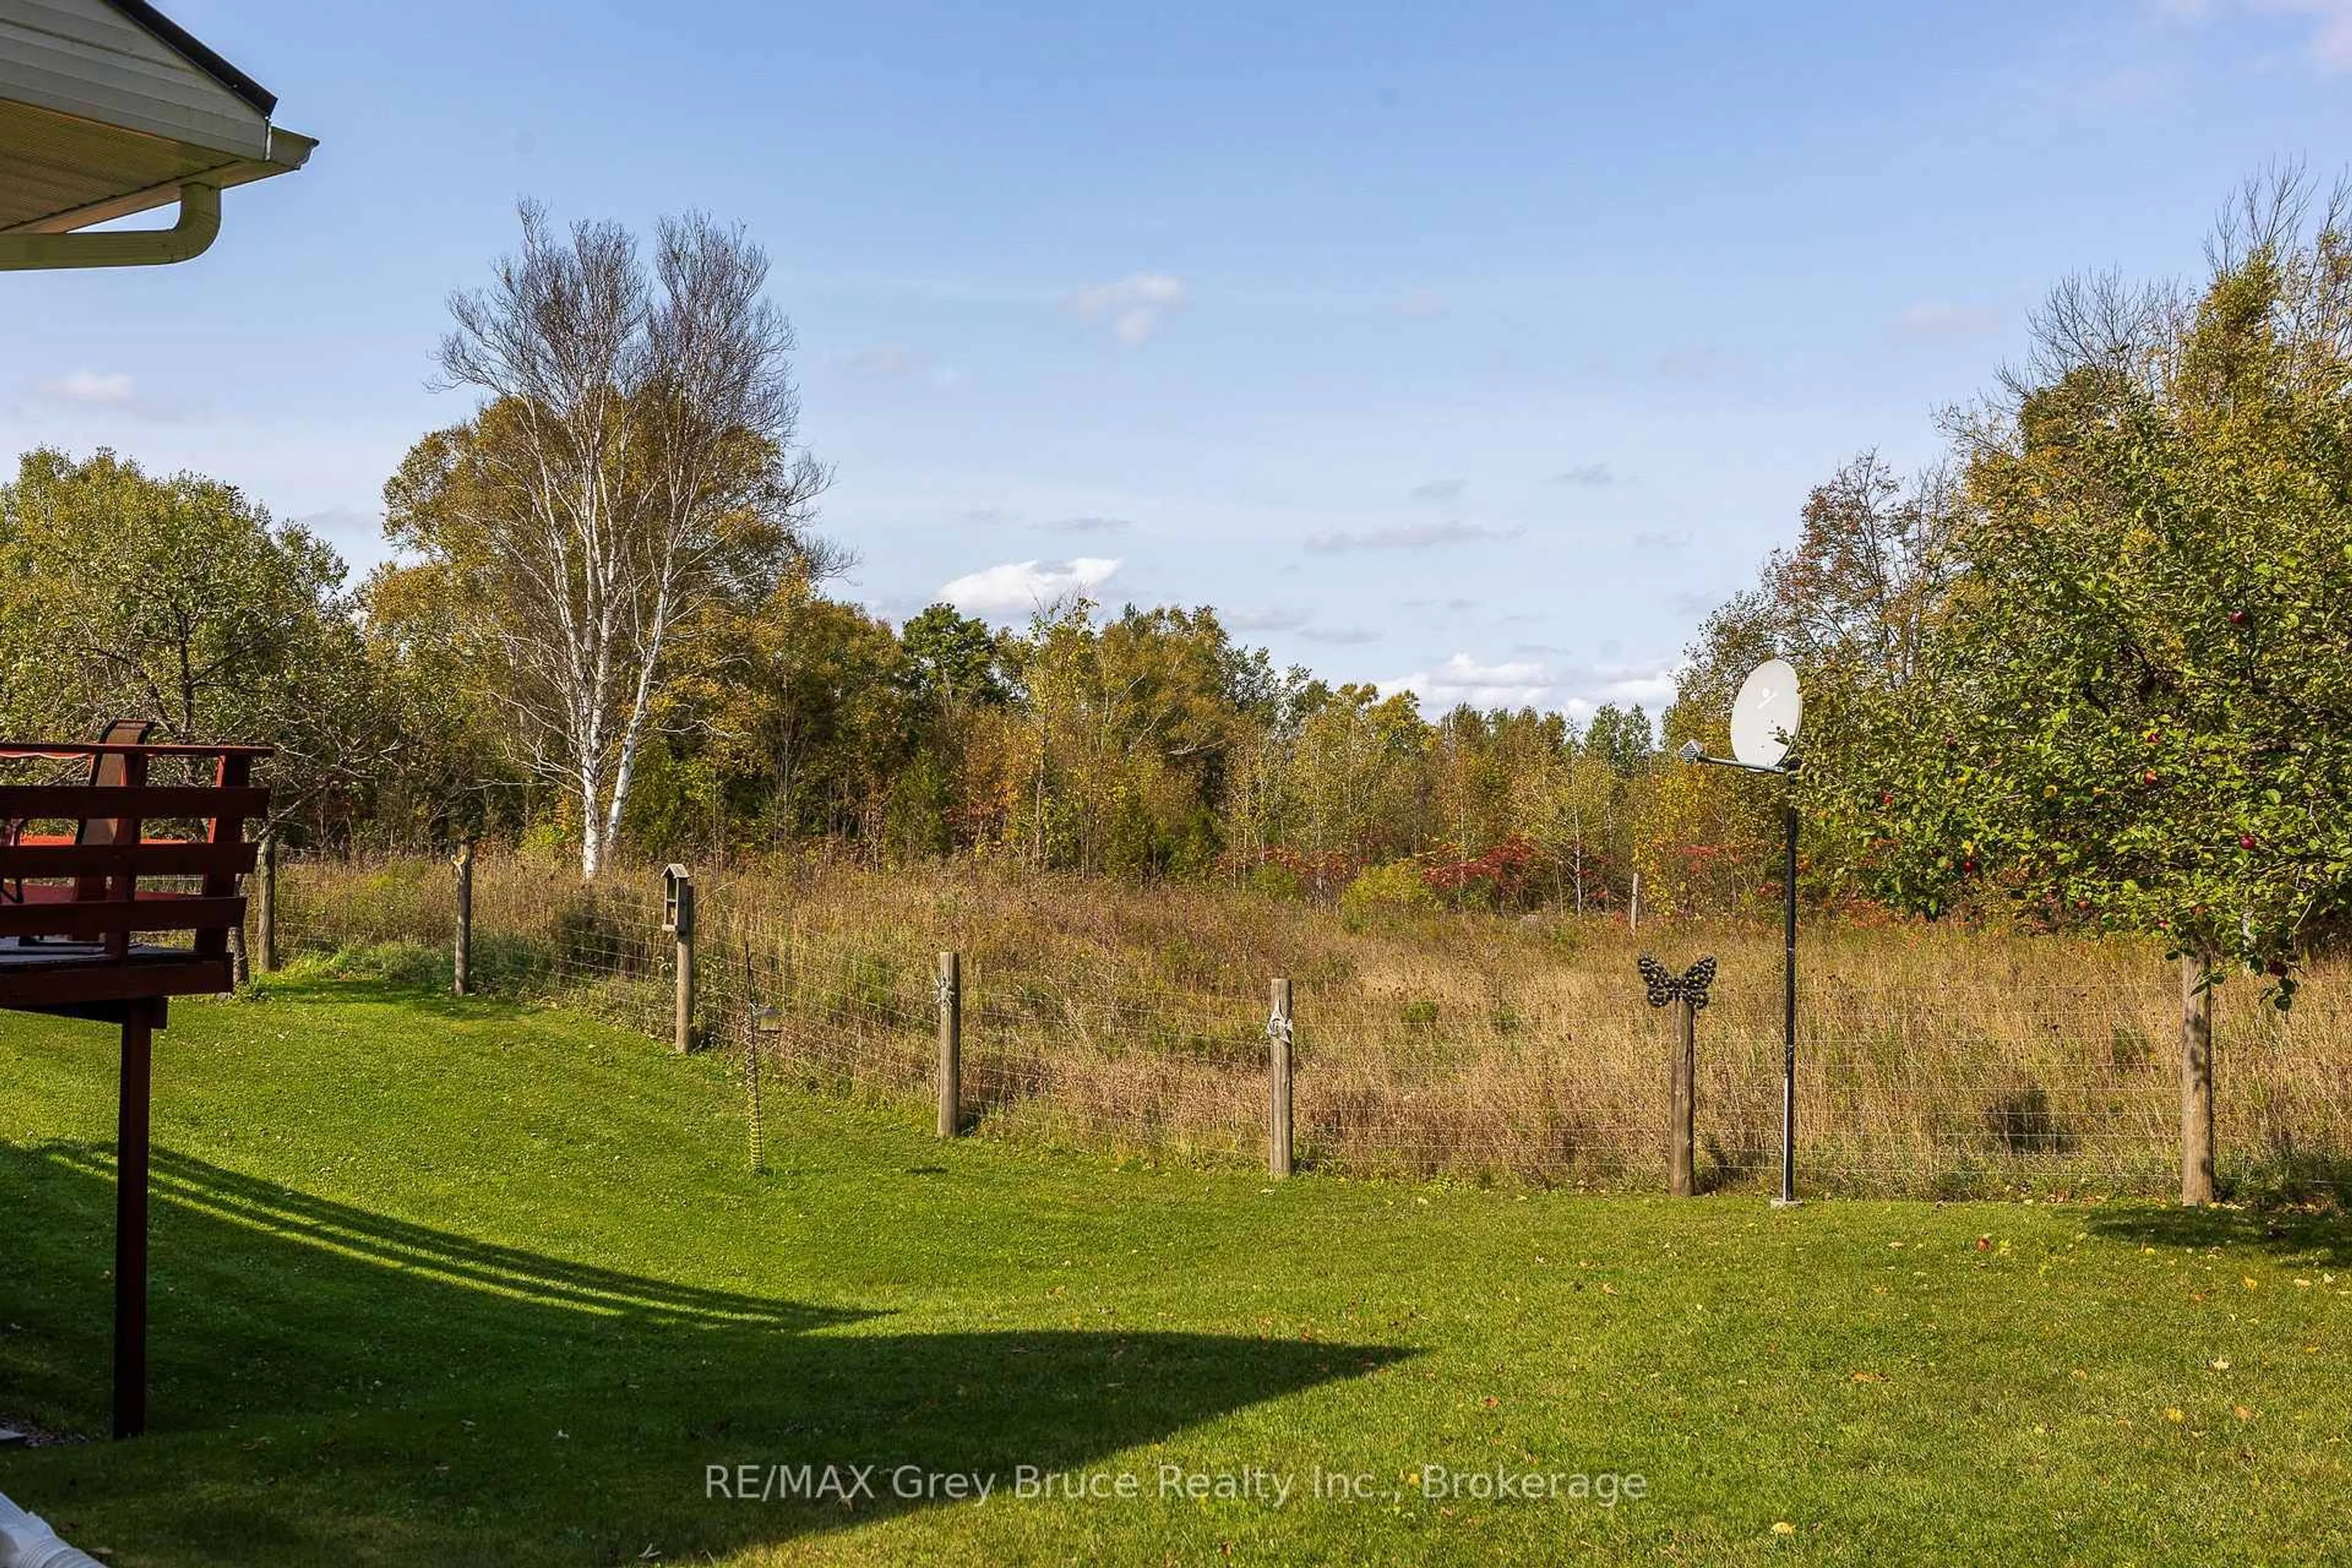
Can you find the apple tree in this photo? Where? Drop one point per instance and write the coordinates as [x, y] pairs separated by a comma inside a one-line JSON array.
[[2134, 711]]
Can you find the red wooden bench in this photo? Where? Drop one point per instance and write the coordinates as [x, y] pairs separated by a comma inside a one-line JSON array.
[[78, 915]]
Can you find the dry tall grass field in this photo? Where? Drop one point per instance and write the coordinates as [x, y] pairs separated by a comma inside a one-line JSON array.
[[1933, 1061]]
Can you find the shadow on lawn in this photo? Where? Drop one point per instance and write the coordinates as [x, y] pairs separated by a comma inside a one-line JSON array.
[[336, 1385], [2324, 1239]]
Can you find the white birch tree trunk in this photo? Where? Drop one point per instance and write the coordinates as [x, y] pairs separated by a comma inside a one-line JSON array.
[[630, 469]]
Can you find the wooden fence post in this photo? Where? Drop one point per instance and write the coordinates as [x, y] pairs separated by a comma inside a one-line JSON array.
[[678, 917], [462, 957], [1686, 993], [1682, 1134], [948, 991], [1279, 1034], [2196, 1079], [265, 918]]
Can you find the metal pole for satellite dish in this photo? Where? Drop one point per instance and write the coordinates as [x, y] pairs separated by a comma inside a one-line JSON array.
[[1765, 717], [1789, 1017]]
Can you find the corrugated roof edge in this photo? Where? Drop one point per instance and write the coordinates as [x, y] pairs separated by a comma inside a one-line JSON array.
[[187, 44]]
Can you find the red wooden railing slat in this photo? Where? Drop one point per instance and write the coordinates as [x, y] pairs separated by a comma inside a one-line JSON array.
[[92, 893]]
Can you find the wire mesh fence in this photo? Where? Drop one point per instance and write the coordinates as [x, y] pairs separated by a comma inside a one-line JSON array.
[[1929, 1065]]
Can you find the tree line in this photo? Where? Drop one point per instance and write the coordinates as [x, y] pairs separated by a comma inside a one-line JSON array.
[[2091, 670]]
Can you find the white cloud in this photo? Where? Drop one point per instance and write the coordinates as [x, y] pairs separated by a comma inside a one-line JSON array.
[[1343, 636], [1133, 305], [1651, 691], [88, 387], [2329, 45], [1653, 688], [1515, 683], [86, 393], [1523, 682], [1440, 491], [1016, 588], [1417, 536], [90, 391], [1275, 620], [1942, 318], [1088, 525]]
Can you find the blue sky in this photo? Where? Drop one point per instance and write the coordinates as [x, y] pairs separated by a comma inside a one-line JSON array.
[[1474, 348]]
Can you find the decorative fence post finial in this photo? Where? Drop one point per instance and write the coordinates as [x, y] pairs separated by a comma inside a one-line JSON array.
[[1666, 986]]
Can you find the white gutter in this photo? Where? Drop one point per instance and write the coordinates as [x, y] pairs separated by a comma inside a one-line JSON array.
[[289, 151], [27, 1542], [199, 224]]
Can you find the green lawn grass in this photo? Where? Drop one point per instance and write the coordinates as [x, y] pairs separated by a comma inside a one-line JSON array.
[[444, 1282]]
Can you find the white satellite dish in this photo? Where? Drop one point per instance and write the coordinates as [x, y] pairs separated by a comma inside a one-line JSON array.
[[1765, 717]]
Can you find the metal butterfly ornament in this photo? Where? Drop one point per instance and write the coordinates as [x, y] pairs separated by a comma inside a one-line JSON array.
[[1666, 986]]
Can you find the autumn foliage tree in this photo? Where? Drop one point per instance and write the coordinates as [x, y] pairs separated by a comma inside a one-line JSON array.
[[2134, 711]]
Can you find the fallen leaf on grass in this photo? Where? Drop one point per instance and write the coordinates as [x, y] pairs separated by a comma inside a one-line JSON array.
[[2172, 1413], [1870, 1377], [2220, 1364], [1782, 1527]]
